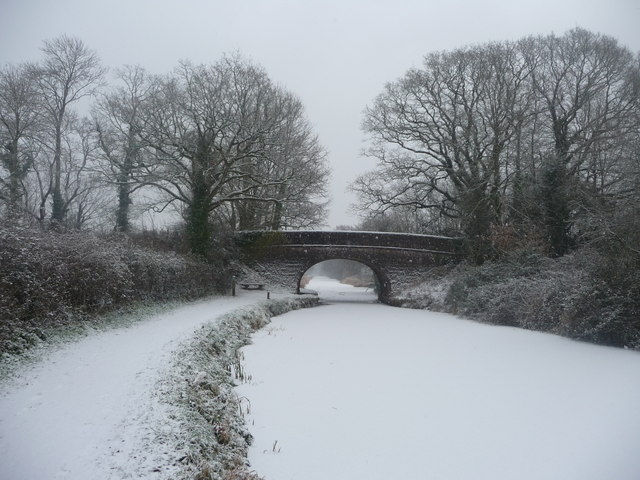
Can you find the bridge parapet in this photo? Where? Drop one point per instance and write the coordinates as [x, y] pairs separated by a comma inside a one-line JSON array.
[[434, 243]]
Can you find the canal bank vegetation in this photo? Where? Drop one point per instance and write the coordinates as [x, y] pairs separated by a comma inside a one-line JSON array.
[[585, 295], [207, 149], [51, 280], [206, 426], [530, 150]]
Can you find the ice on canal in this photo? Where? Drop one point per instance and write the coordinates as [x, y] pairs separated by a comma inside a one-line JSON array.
[[359, 390]]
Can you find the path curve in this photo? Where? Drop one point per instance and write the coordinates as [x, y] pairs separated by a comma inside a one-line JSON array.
[[84, 411]]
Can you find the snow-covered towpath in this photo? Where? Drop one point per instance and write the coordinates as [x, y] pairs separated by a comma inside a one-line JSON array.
[[84, 411]]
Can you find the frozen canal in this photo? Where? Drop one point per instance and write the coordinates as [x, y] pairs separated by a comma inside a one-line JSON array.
[[352, 391]]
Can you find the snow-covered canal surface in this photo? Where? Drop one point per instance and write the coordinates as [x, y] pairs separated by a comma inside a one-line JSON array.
[[366, 391], [86, 410]]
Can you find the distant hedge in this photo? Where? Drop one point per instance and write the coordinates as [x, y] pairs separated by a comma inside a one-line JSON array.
[[50, 279], [585, 295]]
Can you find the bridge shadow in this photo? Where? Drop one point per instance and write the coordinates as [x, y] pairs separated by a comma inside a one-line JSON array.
[[331, 291]]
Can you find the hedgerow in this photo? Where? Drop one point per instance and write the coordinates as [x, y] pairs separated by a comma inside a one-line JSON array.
[[585, 295], [50, 279]]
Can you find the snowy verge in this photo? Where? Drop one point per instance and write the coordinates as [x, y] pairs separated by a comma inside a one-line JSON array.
[[203, 434], [55, 338]]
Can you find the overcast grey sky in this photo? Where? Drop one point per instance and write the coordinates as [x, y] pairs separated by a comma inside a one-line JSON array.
[[336, 55]]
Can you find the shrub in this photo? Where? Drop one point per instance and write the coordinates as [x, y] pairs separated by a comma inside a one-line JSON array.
[[586, 295], [49, 279]]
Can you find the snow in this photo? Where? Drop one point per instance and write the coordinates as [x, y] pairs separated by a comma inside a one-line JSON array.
[[350, 389], [362, 390], [88, 410]]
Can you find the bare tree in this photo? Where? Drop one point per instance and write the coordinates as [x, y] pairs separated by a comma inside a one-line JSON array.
[[582, 80], [300, 158], [406, 220], [118, 122], [19, 121], [82, 191], [295, 164], [77, 159], [504, 135], [69, 72], [439, 134], [210, 129]]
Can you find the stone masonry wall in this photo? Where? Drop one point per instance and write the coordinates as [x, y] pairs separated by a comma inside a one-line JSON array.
[[281, 258]]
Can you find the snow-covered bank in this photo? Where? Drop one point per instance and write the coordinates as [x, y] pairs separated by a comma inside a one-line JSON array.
[[348, 391], [584, 295], [92, 408], [206, 423]]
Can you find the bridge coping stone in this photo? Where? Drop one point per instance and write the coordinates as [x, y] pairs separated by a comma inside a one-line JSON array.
[[348, 237]]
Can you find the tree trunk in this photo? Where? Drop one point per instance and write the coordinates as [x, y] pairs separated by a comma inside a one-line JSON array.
[[124, 201], [58, 207], [476, 223], [124, 195], [15, 175], [276, 219], [199, 232], [556, 203], [278, 208], [495, 194], [246, 215], [555, 188]]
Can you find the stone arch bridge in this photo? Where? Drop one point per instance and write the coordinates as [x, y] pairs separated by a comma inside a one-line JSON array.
[[397, 259]]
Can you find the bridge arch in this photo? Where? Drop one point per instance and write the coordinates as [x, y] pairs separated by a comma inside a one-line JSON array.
[[382, 281], [282, 257]]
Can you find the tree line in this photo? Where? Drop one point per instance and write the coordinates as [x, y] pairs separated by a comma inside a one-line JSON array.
[[222, 144], [531, 143]]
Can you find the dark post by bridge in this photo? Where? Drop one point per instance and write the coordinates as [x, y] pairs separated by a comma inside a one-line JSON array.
[[397, 259]]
